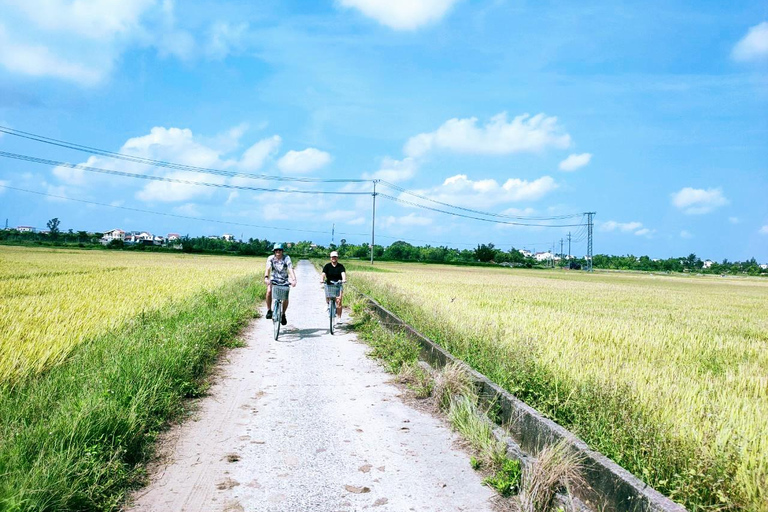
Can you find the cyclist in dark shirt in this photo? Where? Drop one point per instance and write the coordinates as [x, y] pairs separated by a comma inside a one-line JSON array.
[[335, 272]]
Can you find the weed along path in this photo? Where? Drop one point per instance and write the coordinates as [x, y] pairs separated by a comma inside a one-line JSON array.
[[309, 423]]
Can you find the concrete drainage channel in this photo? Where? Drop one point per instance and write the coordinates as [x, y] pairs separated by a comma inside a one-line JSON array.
[[609, 486]]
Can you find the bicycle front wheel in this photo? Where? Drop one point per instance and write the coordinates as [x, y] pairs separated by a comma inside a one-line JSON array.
[[277, 316], [332, 313]]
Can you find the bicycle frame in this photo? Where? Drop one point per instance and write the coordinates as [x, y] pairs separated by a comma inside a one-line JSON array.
[[332, 292]]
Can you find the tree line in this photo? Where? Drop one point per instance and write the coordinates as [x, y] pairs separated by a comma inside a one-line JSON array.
[[398, 251]]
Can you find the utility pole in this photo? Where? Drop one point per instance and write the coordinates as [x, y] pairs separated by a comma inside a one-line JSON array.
[[333, 233], [373, 221], [569, 249], [589, 240], [561, 252]]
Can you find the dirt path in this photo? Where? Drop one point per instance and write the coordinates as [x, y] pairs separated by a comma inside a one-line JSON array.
[[309, 423]]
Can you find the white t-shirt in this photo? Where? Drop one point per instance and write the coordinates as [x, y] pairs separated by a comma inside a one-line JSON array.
[[280, 267]]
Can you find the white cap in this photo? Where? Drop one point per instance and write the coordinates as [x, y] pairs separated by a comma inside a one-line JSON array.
[[334, 253]]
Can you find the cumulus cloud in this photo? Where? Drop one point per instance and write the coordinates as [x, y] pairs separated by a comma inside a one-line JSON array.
[[255, 156], [412, 219], [734, 220], [401, 14], [574, 162], [357, 221], [462, 191], [696, 201], [624, 227], [304, 161], [764, 230], [685, 234], [188, 209], [394, 170], [753, 46], [498, 137]]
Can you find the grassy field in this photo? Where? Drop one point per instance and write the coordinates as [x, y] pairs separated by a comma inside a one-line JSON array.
[[97, 352], [667, 375]]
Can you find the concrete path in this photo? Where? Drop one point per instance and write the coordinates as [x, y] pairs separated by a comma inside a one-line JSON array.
[[309, 423]]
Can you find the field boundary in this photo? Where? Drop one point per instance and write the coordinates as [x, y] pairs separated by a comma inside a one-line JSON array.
[[609, 486]]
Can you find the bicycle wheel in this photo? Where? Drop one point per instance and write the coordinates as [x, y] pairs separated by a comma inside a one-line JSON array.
[[277, 316], [332, 312]]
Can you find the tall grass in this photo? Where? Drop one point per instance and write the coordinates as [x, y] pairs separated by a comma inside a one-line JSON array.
[[666, 375], [74, 435]]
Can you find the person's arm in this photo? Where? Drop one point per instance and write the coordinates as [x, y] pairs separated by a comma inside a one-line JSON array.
[[323, 277], [293, 276], [344, 277], [267, 270]]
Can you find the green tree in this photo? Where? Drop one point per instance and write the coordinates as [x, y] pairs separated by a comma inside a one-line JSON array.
[[53, 227], [485, 252]]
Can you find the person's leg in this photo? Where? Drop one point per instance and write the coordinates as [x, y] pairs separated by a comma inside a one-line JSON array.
[[285, 305], [269, 300], [338, 304]]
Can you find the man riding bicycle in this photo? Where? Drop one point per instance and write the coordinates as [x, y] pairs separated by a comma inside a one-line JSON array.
[[279, 272], [334, 272]]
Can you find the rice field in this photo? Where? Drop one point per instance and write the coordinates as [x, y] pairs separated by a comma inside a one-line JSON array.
[[667, 375], [53, 300]]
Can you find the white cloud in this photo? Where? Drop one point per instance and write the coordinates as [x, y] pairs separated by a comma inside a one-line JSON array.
[[574, 162], [188, 209], [694, 201], [624, 227], [255, 156], [412, 219], [462, 191], [357, 221], [231, 197], [394, 170], [4, 183], [93, 19], [685, 234], [225, 39], [401, 14], [38, 61], [644, 232], [304, 161], [764, 230], [734, 220], [340, 215], [498, 137], [754, 45]]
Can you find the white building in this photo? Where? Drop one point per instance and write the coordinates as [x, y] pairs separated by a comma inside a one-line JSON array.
[[525, 253], [543, 256], [228, 237], [26, 229], [113, 234], [707, 263]]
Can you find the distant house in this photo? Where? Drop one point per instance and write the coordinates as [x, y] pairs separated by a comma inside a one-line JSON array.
[[707, 263], [213, 237], [543, 256], [525, 253], [172, 237], [113, 234], [764, 266], [228, 237], [26, 229]]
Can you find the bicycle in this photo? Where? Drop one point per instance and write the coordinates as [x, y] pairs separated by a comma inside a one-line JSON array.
[[279, 294], [332, 291]]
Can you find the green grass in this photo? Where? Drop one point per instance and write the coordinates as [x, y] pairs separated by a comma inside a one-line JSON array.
[[75, 437]]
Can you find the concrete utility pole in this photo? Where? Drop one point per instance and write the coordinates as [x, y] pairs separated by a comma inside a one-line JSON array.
[[333, 233], [569, 247], [561, 252], [589, 240], [373, 221]]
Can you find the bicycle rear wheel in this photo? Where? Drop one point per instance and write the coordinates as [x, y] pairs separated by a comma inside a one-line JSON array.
[[277, 316], [332, 313]]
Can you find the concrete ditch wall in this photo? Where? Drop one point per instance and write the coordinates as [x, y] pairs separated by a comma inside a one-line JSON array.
[[609, 486]]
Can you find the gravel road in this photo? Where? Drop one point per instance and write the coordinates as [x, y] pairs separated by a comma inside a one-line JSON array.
[[309, 423]]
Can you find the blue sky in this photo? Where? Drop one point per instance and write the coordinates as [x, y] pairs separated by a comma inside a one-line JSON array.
[[653, 115]]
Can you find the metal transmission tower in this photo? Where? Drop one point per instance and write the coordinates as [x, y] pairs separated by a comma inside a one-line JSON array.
[[589, 240]]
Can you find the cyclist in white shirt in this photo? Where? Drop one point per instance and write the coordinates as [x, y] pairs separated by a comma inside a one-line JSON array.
[[279, 271]]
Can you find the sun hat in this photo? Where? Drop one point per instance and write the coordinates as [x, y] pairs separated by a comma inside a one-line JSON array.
[[334, 253], [277, 247]]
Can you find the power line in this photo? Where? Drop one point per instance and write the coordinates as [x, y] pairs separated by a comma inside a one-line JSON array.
[[479, 212], [165, 214], [82, 167], [162, 163], [396, 199]]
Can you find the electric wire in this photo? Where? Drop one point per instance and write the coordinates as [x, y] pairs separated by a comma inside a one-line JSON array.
[[165, 214], [83, 167], [417, 205], [169, 165], [479, 212]]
